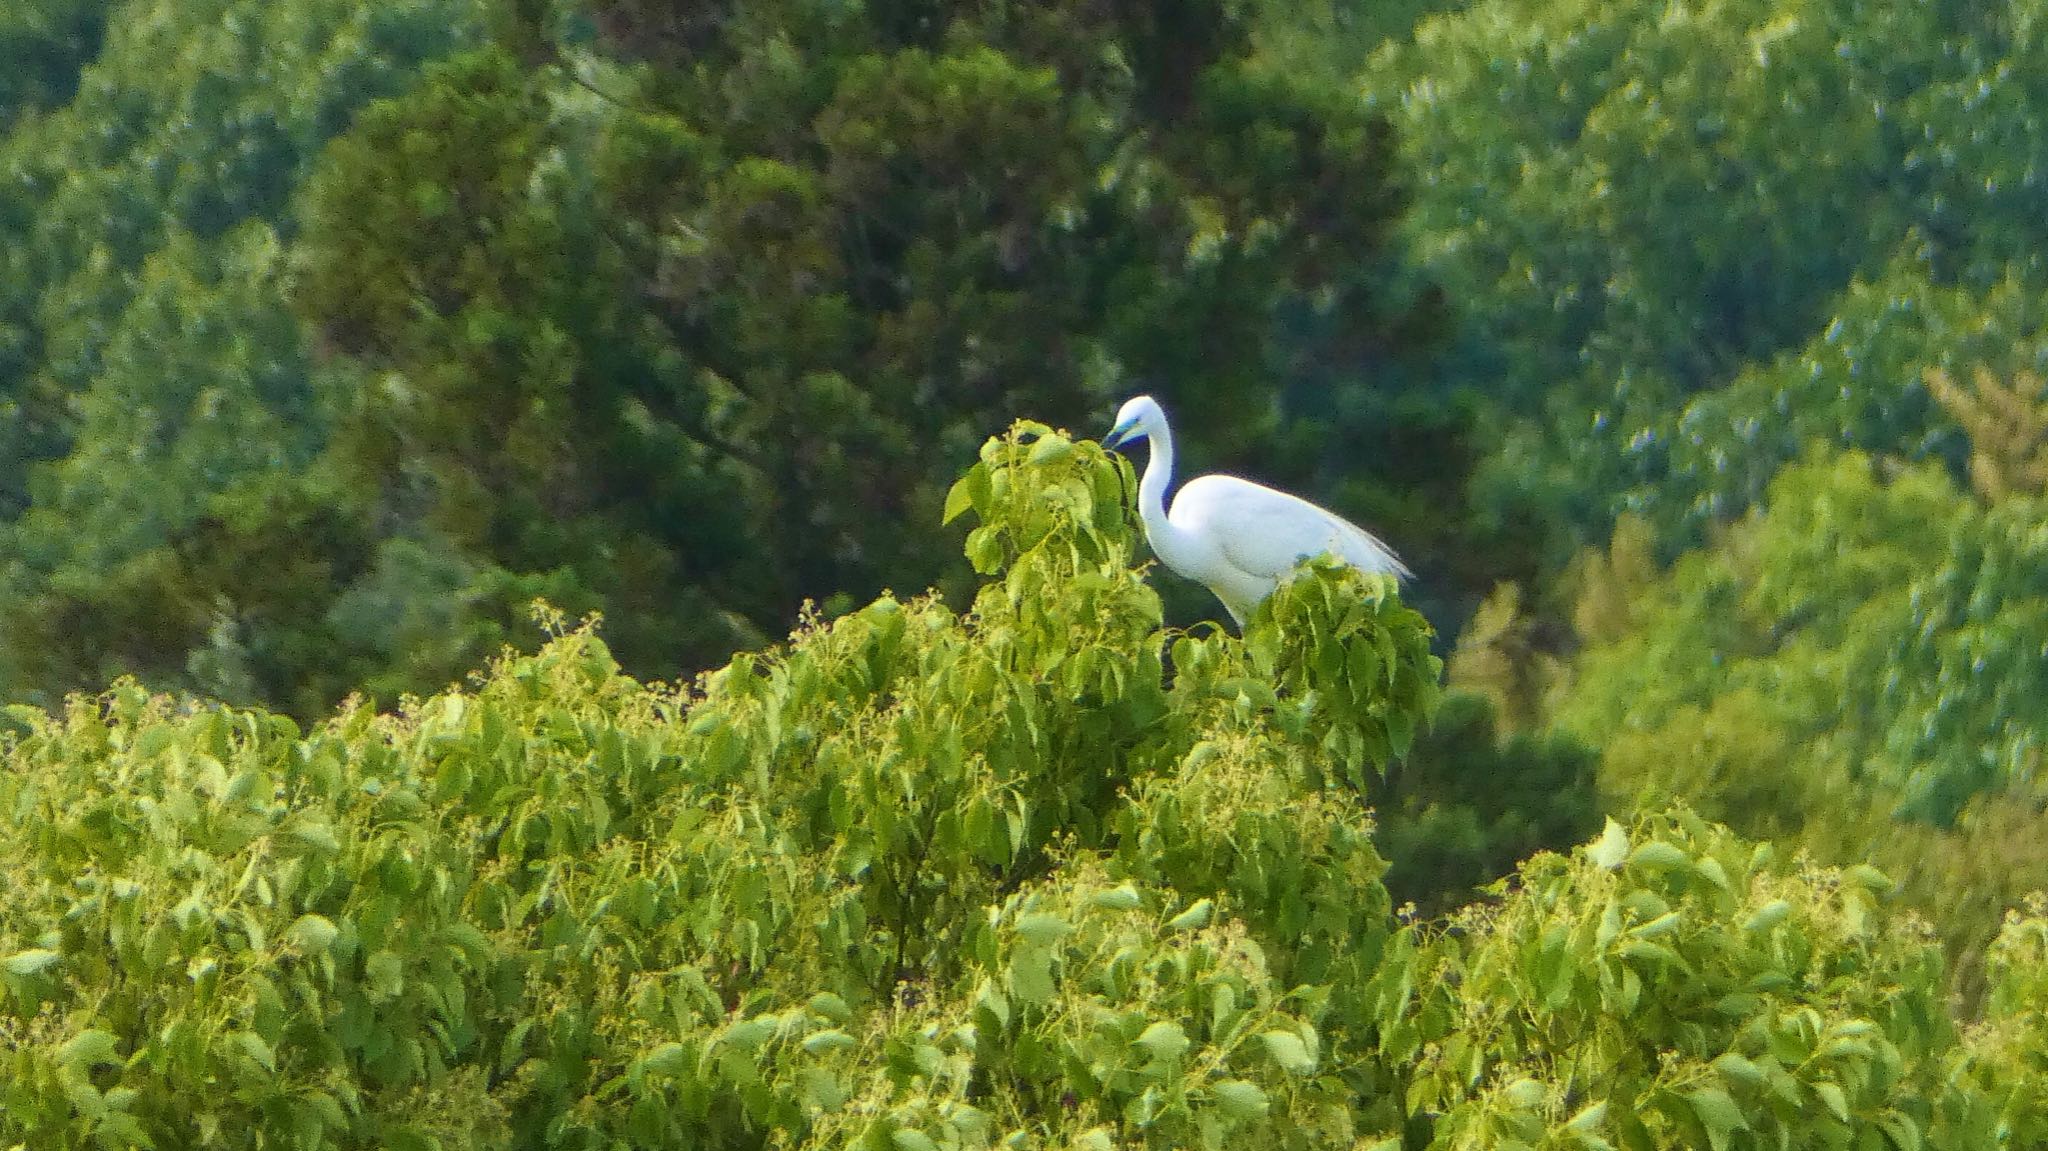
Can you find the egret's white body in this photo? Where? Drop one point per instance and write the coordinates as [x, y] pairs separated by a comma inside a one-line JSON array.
[[1233, 536]]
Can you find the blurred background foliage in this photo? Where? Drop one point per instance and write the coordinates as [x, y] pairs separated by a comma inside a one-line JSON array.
[[1692, 354]]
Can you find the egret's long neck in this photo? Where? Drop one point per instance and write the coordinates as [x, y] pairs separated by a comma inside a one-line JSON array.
[[1164, 537]]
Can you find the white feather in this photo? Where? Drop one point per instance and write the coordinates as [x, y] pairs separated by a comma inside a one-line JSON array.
[[1231, 535]]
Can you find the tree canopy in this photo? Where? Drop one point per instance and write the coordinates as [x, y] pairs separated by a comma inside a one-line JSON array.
[[1692, 354], [920, 878], [687, 319]]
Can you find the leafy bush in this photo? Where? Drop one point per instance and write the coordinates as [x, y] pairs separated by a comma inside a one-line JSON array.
[[1039, 874], [917, 875], [1666, 987], [1838, 622]]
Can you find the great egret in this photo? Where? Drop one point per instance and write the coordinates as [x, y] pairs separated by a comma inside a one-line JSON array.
[[1231, 535]]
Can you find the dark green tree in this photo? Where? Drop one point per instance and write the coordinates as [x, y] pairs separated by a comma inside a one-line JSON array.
[[1684, 242], [164, 508], [43, 46], [703, 311]]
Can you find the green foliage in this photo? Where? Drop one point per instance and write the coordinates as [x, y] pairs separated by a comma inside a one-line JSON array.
[[756, 280], [1102, 1015], [333, 333], [202, 418], [1473, 800], [1853, 670], [162, 505], [1656, 191], [452, 259], [1859, 383], [684, 317], [2005, 1057], [44, 44], [1686, 243], [1835, 620], [915, 876], [922, 878], [1665, 987]]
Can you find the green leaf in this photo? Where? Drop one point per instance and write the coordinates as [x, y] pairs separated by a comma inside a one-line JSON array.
[[313, 934], [1768, 916], [88, 1049], [1142, 1111], [668, 1059], [1737, 1004], [1524, 1093], [386, 974], [515, 1046], [1197, 915], [1662, 925], [1739, 1070], [1042, 929], [906, 1139], [34, 961], [1584, 1127], [1714, 873], [316, 834], [1610, 924], [1165, 1040], [1031, 976], [959, 498], [1400, 732], [1049, 450], [1831, 1095], [825, 1042], [253, 1045], [1718, 1114], [985, 550], [1904, 1132], [1123, 898], [1659, 856], [1289, 1052], [1651, 953], [1240, 1100], [120, 1129], [826, 1005], [750, 1034], [1589, 1118]]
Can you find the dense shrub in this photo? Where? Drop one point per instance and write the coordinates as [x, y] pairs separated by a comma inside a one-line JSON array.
[[914, 872]]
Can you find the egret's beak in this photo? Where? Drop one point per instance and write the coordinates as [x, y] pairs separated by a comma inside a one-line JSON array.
[[1117, 437]]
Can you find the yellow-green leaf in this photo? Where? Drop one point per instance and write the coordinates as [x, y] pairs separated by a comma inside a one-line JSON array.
[[1239, 1099], [1289, 1052]]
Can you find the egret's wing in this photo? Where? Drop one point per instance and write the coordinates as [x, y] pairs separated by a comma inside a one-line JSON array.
[[1264, 533], [1366, 550]]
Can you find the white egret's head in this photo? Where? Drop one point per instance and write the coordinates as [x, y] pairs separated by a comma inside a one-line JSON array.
[[1138, 419]]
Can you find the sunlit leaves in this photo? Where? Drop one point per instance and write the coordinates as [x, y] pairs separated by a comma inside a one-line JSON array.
[[2006, 1057], [919, 878], [1688, 996], [1864, 611], [907, 852]]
